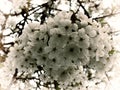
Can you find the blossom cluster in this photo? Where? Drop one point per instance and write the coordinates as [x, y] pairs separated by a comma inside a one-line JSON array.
[[70, 53]]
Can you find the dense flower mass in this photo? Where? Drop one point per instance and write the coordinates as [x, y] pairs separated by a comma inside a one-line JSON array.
[[70, 52]]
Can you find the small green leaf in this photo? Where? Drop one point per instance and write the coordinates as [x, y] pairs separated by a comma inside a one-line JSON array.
[[111, 52]]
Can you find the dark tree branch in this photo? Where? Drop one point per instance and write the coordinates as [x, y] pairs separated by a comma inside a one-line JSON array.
[[85, 11]]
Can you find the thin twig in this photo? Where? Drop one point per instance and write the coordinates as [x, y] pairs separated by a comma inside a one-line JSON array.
[[105, 16], [85, 11]]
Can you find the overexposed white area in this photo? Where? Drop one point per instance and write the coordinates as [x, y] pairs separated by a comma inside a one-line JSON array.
[[5, 6], [114, 22], [111, 3], [38, 2]]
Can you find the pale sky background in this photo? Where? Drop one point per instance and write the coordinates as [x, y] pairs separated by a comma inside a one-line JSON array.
[[6, 5], [114, 21]]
